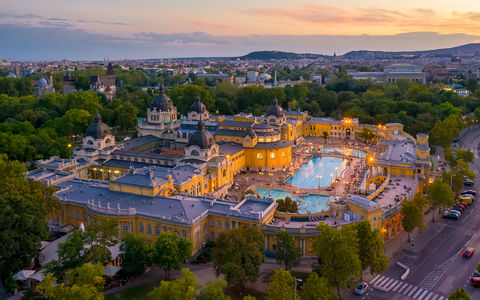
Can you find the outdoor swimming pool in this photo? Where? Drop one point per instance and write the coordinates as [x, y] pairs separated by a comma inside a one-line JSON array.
[[318, 171], [306, 204], [345, 151]]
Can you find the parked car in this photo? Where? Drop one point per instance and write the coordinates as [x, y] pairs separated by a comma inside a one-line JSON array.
[[462, 204], [464, 199], [458, 208], [468, 252], [458, 212], [361, 288], [449, 215], [471, 192], [468, 183], [475, 281]]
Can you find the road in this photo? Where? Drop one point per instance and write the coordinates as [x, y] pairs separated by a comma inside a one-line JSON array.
[[438, 268]]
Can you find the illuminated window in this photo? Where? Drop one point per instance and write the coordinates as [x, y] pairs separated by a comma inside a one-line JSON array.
[[283, 154], [272, 155], [259, 156], [269, 140], [261, 140]]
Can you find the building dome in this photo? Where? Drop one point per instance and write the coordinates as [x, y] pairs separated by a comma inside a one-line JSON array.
[[197, 106], [275, 109], [98, 130], [201, 138], [161, 102], [43, 83]]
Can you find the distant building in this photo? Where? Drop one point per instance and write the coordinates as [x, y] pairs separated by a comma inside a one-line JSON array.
[[252, 76], [240, 79], [104, 83], [317, 77], [43, 86], [217, 77], [412, 72], [377, 77], [68, 83]]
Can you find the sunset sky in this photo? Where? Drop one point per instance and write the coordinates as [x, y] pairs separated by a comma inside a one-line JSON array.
[[154, 28]]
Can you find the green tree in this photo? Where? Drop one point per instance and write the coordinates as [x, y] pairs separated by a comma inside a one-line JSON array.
[[287, 253], [338, 253], [126, 116], [287, 205], [249, 298], [24, 206], [213, 291], [179, 289], [412, 216], [169, 252], [456, 175], [459, 294], [238, 255], [85, 282], [325, 136], [440, 195], [99, 235], [282, 286], [366, 134], [316, 288], [472, 84], [70, 255], [370, 248], [465, 154], [134, 255]]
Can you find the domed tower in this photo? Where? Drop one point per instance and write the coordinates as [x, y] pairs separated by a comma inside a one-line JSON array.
[[97, 143], [161, 110], [197, 111], [201, 144], [275, 114], [161, 118]]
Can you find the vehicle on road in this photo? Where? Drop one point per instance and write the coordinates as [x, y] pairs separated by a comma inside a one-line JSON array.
[[458, 208], [462, 204], [468, 183], [459, 213], [475, 281], [468, 252], [471, 192], [449, 215], [465, 199], [361, 288]]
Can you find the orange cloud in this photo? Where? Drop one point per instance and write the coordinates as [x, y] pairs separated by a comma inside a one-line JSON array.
[[321, 19]]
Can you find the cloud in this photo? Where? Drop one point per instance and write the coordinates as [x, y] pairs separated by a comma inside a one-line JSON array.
[[367, 19], [27, 42], [102, 22]]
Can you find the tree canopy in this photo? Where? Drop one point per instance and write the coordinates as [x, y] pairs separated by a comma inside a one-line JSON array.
[[24, 206], [238, 255], [169, 251], [287, 252]]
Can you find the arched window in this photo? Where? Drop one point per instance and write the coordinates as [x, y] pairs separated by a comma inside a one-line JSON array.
[[259, 155], [272, 155], [194, 153], [141, 227], [149, 228], [224, 172], [283, 154], [90, 142], [199, 188], [108, 141]]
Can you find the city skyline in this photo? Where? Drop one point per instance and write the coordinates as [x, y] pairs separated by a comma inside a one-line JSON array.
[[148, 29]]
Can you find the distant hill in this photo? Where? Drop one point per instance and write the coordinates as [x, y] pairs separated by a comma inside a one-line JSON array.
[[464, 50], [264, 55]]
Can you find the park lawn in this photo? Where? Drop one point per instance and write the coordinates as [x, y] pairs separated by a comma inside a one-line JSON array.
[[137, 292]]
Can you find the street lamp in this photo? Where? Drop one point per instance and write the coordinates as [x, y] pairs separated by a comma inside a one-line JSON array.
[[336, 172], [331, 178], [319, 179]]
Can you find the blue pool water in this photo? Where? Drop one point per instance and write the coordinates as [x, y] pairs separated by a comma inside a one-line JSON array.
[[310, 203], [345, 151], [318, 171]]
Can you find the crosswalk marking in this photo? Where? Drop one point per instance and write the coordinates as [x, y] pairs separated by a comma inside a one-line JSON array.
[[398, 286], [388, 284], [422, 295]]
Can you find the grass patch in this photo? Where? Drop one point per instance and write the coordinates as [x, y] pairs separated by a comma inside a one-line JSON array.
[[137, 292]]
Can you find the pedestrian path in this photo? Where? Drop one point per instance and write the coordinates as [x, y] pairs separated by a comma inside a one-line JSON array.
[[387, 284]]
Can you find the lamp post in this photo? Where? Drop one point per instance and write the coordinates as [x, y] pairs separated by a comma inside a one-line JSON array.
[[451, 179], [319, 179], [336, 172], [331, 178]]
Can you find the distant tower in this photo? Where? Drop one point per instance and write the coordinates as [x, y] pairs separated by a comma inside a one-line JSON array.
[[275, 79]]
